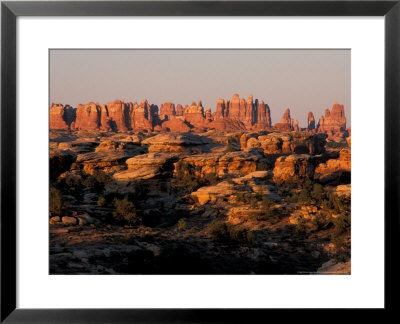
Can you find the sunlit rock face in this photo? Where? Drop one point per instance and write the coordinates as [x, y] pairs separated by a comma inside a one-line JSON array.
[[87, 117], [167, 111], [286, 122], [333, 122], [61, 117], [141, 117], [236, 114], [118, 115]]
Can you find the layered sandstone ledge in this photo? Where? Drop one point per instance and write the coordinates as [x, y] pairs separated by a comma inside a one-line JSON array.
[[237, 114]]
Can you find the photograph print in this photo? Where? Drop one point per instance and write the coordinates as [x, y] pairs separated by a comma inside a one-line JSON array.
[[200, 161]]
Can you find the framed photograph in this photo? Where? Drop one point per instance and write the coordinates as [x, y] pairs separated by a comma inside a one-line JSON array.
[[197, 161]]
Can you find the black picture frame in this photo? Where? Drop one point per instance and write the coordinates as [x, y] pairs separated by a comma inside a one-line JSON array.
[[10, 10]]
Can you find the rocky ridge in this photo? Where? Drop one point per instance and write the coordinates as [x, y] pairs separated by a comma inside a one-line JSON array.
[[236, 114]]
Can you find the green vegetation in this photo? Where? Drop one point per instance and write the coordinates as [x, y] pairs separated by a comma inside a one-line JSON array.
[[342, 224], [222, 232], [185, 178], [57, 204], [181, 225], [301, 226], [101, 201], [321, 221], [211, 178], [230, 181], [230, 148], [262, 166], [267, 211], [125, 211], [335, 145], [336, 203]]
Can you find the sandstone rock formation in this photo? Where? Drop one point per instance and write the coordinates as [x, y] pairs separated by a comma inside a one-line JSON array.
[[109, 156], [118, 116], [310, 121], [60, 117], [147, 166], [236, 114], [194, 115], [221, 164], [293, 168], [179, 110], [167, 111], [263, 116], [296, 127], [141, 117], [172, 143], [175, 125], [285, 143], [286, 122], [335, 170], [334, 122], [87, 117]]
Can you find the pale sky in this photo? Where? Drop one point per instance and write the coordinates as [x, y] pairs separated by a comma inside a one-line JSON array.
[[302, 80]]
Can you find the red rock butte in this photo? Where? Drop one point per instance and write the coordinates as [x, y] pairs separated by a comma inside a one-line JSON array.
[[236, 114]]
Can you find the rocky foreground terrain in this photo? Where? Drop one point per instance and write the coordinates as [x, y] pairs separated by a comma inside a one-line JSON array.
[[274, 200]]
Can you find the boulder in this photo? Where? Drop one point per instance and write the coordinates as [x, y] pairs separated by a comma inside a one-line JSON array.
[[68, 220], [293, 168], [148, 166], [172, 143], [335, 170]]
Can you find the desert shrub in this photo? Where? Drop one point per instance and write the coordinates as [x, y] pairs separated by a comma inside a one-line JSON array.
[[185, 178], [139, 195], [266, 211], [110, 197], [342, 253], [72, 184], [304, 197], [102, 177], [307, 185], [125, 211], [230, 148], [342, 224], [320, 221], [102, 202], [244, 197], [89, 182], [262, 166], [218, 230], [56, 204], [211, 178], [222, 232], [181, 224], [317, 192], [336, 145], [230, 181], [259, 193], [97, 181], [253, 202], [336, 203], [301, 226], [240, 234]]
